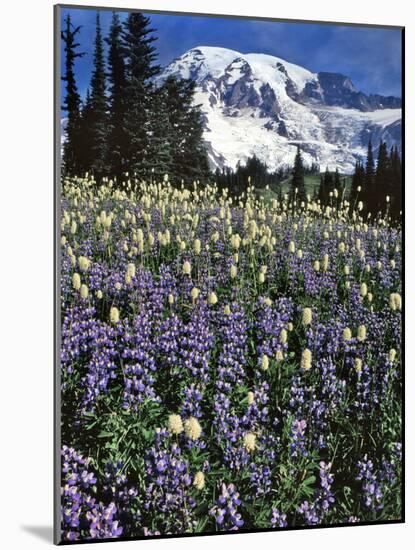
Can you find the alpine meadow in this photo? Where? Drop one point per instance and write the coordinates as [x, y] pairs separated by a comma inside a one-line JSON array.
[[230, 236]]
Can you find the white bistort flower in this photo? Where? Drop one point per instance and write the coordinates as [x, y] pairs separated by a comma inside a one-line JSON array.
[[192, 428], [175, 424]]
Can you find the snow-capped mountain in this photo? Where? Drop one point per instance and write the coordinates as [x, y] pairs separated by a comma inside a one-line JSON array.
[[260, 104]]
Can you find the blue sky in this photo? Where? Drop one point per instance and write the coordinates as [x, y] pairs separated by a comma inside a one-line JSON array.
[[371, 57]]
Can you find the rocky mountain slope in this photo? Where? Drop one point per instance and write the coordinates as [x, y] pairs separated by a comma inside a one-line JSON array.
[[260, 104]]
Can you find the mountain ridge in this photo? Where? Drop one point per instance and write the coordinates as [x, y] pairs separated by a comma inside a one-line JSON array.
[[261, 104]]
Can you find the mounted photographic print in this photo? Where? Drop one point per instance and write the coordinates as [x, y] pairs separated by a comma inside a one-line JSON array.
[[229, 196]]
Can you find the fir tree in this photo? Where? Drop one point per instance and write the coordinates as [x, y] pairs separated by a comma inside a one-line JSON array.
[[320, 194], [140, 56], [337, 182], [369, 194], [98, 107], [159, 150], [327, 185], [382, 168], [117, 84], [370, 167], [394, 184], [189, 158], [297, 181], [85, 138], [72, 101], [358, 181]]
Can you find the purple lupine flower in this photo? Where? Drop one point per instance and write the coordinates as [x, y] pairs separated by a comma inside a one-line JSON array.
[[314, 512], [226, 513], [278, 519]]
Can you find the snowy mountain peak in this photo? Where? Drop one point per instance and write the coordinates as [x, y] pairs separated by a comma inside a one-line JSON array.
[[203, 61], [260, 104]]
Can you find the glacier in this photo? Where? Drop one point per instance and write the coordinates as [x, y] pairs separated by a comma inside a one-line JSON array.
[[260, 104]]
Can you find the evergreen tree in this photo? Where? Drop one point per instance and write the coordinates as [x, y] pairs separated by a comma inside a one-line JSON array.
[[99, 108], [72, 101], [322, 193], [394, 184], [370, 167], [381, 177], [337, 182], [369, 194], [297, 181], [189, 158], [159, 150], [85, 138], [358, 181], [140, 56], [117, 84], [382, 167], [327, 185]]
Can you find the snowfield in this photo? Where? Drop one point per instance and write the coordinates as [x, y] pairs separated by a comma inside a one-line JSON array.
[[258, 104]]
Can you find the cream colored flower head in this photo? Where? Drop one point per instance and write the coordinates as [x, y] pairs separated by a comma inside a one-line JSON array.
[[283, 336], [197, 246], [84, 292], [131, 270], [175, 424], [306, 358], [307, 316], [251, 397], [199, 480], [233, 271], [264, 362], [84, 263], [250, 442], [187, 268], [279, 356], [213, 299], [195, 293], [76, 281], [361, 333], [358, 364], [192, 428], [363, 290], [114, 315], [395, 301], [347, 334], [392, 355]]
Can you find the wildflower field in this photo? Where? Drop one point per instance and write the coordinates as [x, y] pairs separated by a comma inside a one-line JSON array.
[[226, 363]]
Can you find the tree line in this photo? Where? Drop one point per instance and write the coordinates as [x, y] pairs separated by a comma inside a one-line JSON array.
[[258, 175], [127, 123], [379, 184]]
